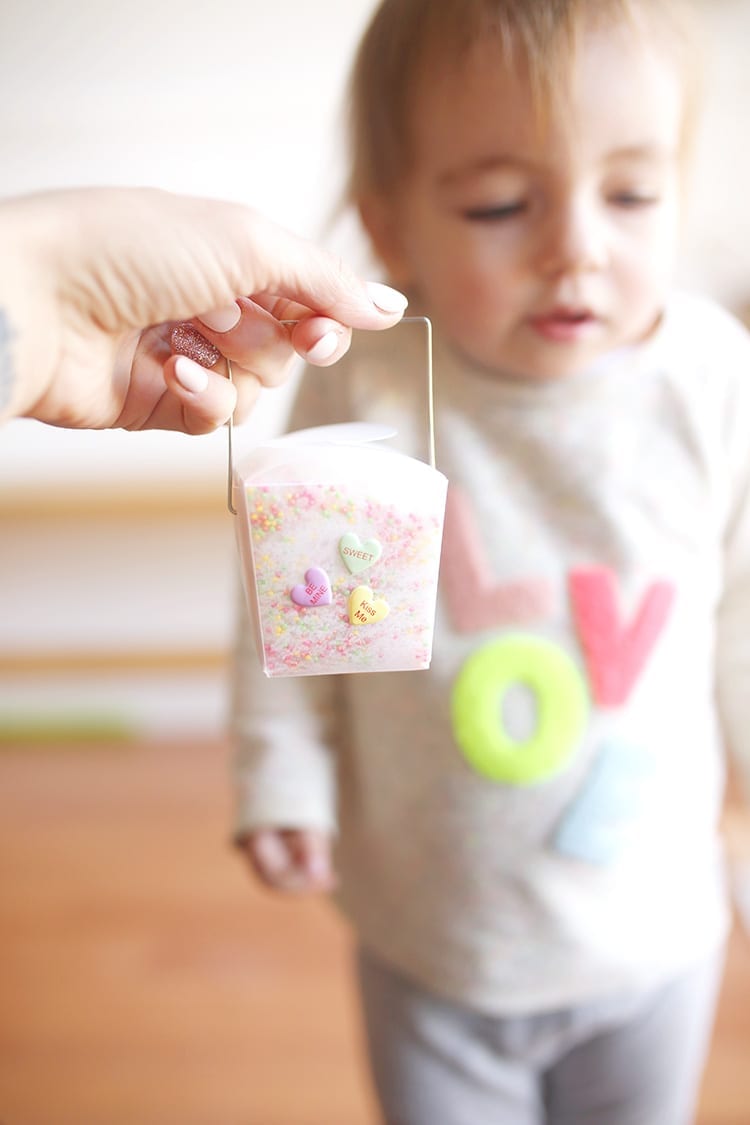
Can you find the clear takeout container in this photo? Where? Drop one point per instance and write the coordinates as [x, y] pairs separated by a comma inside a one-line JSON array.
[[339, 538]]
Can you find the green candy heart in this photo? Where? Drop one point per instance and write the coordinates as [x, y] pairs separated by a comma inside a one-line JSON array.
[[358, 556]]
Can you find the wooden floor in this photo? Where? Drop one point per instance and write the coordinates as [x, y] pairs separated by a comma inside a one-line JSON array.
[[143, 981]]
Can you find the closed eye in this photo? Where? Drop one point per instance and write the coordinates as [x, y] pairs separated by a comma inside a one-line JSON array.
[[632, 200], [494, 214]]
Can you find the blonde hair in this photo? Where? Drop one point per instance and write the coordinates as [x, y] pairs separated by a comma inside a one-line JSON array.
[[404, 37]]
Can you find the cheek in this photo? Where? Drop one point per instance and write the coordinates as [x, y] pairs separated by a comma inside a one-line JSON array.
[[467, 305], [464, 278], [647, 275], [641, 290], [650, 256]]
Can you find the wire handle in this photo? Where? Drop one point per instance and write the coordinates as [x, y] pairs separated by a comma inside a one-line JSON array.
[[230, 454], [424, 320]]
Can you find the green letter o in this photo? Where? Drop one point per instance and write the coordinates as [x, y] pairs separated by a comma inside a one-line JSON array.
[[476, 706]]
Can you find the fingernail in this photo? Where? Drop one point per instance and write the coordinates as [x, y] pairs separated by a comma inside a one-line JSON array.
[[386, 299], [222, 319], [190, 375], [324, 348], [186, 340]]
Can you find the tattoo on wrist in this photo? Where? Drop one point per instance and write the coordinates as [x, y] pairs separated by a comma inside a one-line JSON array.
[[7, 373]]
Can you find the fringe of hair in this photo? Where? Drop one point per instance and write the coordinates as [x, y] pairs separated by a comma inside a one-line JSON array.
[[539, 37]]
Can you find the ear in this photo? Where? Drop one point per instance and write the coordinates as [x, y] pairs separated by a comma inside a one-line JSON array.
[[382, 220]]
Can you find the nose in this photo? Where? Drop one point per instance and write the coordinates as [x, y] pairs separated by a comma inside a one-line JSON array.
[[572, 237]]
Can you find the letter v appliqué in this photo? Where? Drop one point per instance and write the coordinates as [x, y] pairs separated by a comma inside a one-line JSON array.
[[615, 652]]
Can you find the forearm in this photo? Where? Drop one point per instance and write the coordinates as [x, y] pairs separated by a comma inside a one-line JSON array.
[[27, 331], [7, 367]]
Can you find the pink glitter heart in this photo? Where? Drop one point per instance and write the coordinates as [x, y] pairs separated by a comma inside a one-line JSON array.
[[316, 591]]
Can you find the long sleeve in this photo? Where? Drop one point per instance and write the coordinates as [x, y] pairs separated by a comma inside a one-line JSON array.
[[733, 621], [285, 734]]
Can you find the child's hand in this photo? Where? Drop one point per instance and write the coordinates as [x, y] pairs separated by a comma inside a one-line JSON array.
[[296, 860]]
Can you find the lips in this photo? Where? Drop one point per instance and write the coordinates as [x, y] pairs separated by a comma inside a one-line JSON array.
[[565, 324]]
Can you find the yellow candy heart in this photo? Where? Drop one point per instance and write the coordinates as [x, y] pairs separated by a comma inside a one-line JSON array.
[[364, 608]]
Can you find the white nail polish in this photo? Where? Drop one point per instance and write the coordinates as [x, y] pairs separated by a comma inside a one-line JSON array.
[[324, 348], [388, 300], [222, 319], [190, 375]]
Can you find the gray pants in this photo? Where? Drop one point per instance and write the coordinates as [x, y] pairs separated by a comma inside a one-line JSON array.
[[625, 1061]]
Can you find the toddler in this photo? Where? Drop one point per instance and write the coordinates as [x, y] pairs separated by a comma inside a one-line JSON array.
[[524, 838]]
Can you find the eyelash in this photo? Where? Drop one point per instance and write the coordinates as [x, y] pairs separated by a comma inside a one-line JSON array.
[[494, 214], [632, 201], [629, 201]]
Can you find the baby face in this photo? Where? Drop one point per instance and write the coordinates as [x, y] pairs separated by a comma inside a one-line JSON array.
[[539, 249]]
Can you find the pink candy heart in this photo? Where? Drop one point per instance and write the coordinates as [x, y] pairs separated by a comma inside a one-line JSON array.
[[316, 591]]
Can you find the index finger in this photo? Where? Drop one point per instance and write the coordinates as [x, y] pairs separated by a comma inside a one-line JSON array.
[[299, 271]]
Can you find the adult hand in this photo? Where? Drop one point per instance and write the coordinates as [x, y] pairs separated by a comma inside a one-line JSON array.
[[95, 287]]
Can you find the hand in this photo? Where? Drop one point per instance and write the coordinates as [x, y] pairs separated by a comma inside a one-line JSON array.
[[93, 283], [296, 860]]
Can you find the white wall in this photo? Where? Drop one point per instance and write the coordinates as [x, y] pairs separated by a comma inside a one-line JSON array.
[[240, 100], [717, 244], [231, 98]]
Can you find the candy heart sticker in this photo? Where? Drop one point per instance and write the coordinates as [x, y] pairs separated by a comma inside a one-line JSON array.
[[317, 590], [364, 608], [358, 556]]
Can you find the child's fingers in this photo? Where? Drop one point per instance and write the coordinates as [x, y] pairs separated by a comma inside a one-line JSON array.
[[312, 850], [291, 860], [270, 856]]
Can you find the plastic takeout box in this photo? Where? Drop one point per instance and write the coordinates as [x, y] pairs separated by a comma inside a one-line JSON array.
[[339, 538]]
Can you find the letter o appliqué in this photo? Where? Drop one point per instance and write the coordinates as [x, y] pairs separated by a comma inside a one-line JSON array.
[[476, 708]]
